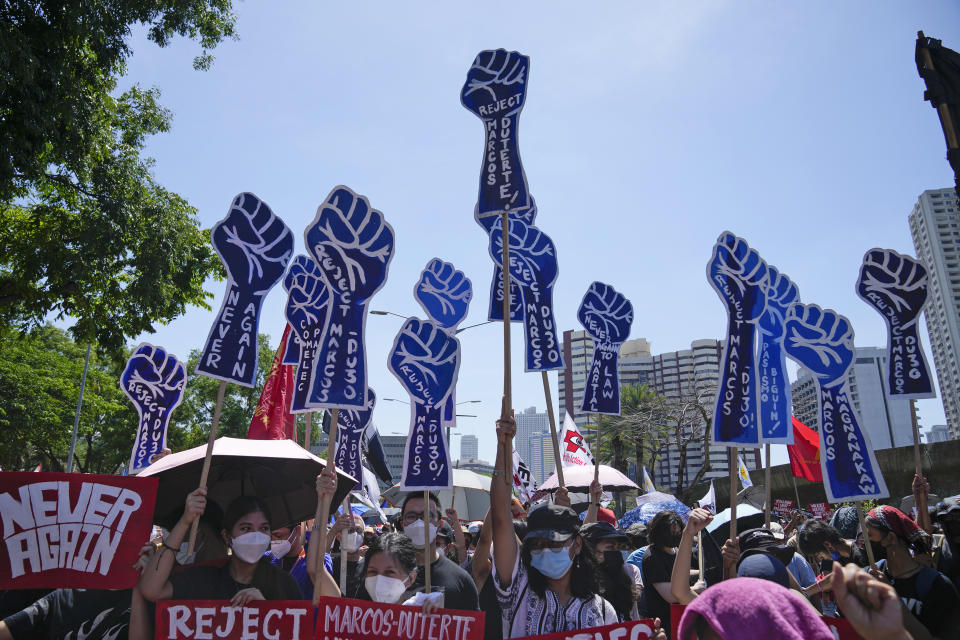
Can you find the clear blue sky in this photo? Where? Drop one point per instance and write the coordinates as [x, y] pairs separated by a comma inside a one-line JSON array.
[[649, 128]]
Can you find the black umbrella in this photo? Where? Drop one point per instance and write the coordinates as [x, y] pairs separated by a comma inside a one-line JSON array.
[[279, 472]]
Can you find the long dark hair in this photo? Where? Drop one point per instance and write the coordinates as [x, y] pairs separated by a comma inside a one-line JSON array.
[[583, 576], [613, 584]]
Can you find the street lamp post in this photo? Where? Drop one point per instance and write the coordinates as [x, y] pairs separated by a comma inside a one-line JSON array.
[[378, 312]]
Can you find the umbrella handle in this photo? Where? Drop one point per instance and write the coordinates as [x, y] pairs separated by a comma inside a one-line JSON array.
[[206, 458]]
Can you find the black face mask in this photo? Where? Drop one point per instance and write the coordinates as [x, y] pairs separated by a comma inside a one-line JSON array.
[[879, 551], [674, 541], [613, 560]]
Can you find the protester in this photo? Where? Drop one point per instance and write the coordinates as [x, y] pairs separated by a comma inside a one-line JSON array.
[[246, 576], [481, 566], [819, 541], [390, 573], [925, 592], [618, 583], [348, 531], [457, 552], [458, 588], [946, 555], [71, 613], [664, 532], [288, 553]]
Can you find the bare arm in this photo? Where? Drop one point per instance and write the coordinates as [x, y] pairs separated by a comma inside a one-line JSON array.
[[596, 492], [481, 556], [155, 582], [326, 485], [680, 578], [504, 538], [458, 539]]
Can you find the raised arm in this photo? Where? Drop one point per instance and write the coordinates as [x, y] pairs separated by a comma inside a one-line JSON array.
[[680, 578], [459, 541], [596, 492], [155, 581], [504, 538], [481, 566]]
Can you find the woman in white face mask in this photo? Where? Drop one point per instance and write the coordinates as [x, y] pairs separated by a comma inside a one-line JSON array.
[[390, 569], [247, 573]]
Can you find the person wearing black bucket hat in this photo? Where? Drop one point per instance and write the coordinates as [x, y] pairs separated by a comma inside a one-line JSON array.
[[549, 585], [618, 582]]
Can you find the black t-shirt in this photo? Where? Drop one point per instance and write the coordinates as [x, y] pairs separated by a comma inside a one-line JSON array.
[[490, 605], [355, 576], [938, 609], [74, 613], [949, 563], [657, 567], [206, 582], [459, 590]]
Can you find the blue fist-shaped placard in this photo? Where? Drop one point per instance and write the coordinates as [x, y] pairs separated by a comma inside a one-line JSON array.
[[352, 245], [351, 426], [426, 360], [534, 269], [896, 286], [308, 306], [606, 315], [822, 341], [444, 293], [255, 246], [738, 273], [776, 406], [154, 381]]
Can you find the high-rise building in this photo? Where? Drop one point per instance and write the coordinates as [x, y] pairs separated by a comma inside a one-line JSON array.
[[938, 433], [677, 375], [529, 423], [540, 460], [885, 418], [935, 228], [469, 447]]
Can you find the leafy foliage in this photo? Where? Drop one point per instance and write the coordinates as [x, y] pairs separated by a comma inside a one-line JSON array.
[[84, 229]]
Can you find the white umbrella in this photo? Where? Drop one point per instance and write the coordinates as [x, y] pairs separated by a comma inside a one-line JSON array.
[[579, 477], [472, 495]]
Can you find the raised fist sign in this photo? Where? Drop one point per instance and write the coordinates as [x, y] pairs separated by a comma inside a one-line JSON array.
[[308, 305], [606, 315], [350, 433], [352, 245], [425, 359], [154, 381], [255, 246], [533, 267], [496, 84], [775, 396], [896, 286], [444, 293], [738, 274], [821, 340]]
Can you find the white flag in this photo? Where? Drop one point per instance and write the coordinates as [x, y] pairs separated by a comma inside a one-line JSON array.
[[523, 480], [369, 492], [709, 501], [573, 450], [743, 473], [647, 482]]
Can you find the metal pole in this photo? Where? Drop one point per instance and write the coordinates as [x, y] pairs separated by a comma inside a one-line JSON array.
[[76, 419]]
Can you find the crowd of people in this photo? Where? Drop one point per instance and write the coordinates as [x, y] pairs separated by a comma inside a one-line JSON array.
[[542, 568]]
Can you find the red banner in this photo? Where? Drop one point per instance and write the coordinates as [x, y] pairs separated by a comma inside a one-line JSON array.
[[345, 619], [783, 506], [805, 453], [633, 630], [820, 510], [73, 530], [182, 619]]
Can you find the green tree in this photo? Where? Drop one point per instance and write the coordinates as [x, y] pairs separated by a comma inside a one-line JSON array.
[[85, 230]]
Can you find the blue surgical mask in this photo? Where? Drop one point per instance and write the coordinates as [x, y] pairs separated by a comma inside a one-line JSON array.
[[553, 563]]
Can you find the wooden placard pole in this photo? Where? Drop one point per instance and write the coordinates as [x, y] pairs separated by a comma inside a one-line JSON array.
[[734, 472], [596, 453], [507, 379], [453, 499], [323, 509], [923, 513], [553, 429], [866, 540], [427, 546], [700, 554], [343, 552], [217, 409], [766, 481]]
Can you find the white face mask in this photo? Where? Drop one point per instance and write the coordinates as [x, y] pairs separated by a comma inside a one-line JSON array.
[[250, 546], [415, 532], [280, 548], [350, 541], [384, 589]]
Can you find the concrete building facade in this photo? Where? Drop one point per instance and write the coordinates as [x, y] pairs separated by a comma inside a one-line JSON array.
[[469, 447]]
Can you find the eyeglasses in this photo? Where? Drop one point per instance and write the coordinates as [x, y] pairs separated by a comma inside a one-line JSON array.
[[412, 516]]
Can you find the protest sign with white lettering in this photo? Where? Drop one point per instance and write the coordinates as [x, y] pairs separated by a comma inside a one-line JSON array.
[[534, 269], [351, 426], [352, 245], [607, 316], [495, 92], [783, 507], [255, 247], [308, 304], [73, 530], [426, 361], [738, 273], [896, 286], [632, 630], [345, 619], [154, 381], [523, 481], [820, 510], [822, 341], [209, 619], [776, 408]]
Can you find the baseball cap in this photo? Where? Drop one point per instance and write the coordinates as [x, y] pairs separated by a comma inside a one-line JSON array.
[[760, 540], [606, 515], [445, 531], [552, 522], [596, 531], [764, 566], [949, 505]]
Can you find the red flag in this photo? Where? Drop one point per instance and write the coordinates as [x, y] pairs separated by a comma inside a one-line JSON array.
[[272, 420], [805, 453]]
